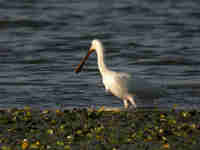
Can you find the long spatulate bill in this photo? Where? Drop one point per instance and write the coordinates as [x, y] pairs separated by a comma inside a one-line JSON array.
[[80, 66]]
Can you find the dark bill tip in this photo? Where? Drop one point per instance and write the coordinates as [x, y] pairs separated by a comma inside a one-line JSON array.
[[80, 66]]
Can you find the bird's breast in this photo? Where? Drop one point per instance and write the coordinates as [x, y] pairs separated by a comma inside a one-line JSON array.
[[114, 87], [108, 82]]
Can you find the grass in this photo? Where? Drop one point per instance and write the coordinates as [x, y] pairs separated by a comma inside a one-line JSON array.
[[33, 129]]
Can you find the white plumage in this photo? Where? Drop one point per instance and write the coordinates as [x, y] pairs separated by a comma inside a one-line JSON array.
[[123, 85]]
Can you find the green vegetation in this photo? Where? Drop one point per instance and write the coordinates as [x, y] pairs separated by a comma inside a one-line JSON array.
[[98, 129]]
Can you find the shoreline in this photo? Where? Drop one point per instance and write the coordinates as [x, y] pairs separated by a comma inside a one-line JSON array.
[[101, 128]]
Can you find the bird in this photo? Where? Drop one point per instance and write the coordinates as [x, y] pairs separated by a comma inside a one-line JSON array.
[[123, 85]]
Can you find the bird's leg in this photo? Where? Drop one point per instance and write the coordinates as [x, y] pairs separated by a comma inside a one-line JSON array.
[[125, 103], [131, 100]]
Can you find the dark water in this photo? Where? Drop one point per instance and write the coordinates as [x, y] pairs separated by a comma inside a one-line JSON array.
[[41, 42]]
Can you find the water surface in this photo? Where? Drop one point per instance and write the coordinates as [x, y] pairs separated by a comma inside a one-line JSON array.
[[41, 42]]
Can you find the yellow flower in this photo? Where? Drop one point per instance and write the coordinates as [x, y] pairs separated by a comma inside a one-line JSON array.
[[193, 126], [160, 130], [164, 138], [185, 114], [129, 140], [79, 132], [67, 147], [24, 144], [27, 108], [167, 146], [28, 113], [4, 147], [37, 143], [101, 109], [50, 131], [59, 112], [34, 146], [45, 111], [162, 116]]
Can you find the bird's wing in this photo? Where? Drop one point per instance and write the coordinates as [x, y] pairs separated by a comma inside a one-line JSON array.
[[137, 86]]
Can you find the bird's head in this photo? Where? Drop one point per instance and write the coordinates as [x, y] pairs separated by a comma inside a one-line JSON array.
[[95, 46]]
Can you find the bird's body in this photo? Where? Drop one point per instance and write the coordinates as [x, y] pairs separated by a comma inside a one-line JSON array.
[[121, 84]]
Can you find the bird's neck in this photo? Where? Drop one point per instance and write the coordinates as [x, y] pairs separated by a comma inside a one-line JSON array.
[[101, 61]]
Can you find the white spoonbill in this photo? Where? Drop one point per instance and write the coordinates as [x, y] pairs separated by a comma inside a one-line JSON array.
[[120, 84]]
